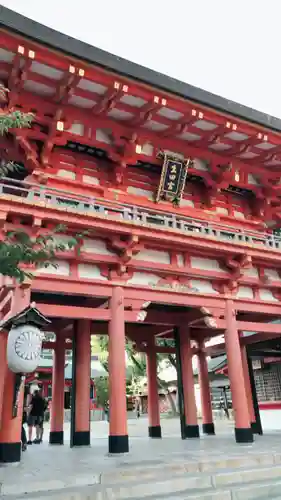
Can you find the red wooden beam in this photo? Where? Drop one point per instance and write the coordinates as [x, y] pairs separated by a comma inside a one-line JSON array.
[[98, 314], [260, 337], [145, 135], [161, 236], [61, 61], [250, 326]]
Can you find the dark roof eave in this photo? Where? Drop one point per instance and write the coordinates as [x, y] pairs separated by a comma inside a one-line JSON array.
[[28, 315], [15, 22]]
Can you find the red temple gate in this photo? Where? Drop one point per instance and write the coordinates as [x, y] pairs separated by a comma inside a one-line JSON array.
[[180, 197]]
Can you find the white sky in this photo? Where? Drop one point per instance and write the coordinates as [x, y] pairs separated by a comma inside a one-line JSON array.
[[230, 48]]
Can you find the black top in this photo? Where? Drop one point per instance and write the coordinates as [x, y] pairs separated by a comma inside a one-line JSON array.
[[42, 34], [38, 406]]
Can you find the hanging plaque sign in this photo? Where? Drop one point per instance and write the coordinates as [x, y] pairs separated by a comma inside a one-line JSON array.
[[173, 177]]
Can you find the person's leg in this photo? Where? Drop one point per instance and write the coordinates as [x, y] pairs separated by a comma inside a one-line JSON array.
[[30, 423], [23, 438], [41, 431], [38, 432]]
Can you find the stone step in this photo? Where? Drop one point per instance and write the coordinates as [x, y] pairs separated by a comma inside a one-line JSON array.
[[236, 484], [147, 471]]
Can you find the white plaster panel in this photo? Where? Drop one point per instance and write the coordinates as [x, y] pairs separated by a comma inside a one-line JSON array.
[[103, 135], [203, 286], [66, 174], [77, 128], [251, 272], [267, 295], [200, 164], [180, 260], [206, 264], [144, 279], [88, 179], [61, 239], [90, 271], [95, 246], [186, 203], [222, 210], [60, 268], [245, 292], [154, 256], [147, 149], [238, 215], [252, 180], [140, 192], [272, 274]]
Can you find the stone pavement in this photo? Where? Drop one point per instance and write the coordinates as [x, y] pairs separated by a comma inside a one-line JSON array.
[[56, 468]]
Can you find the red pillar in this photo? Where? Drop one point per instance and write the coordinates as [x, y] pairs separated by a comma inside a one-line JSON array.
[[10, 430], [191, 427], [81, 435], [154, 429], [57, 410], [243, 432], [118, 432], [248, 388], [205, 393]]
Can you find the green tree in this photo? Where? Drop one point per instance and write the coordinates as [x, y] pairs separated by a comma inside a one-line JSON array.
[[21, 253], [10, 119], [14, 119], [102, 391], [136, 369]]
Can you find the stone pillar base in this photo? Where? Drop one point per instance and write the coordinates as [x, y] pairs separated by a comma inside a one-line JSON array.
[[208, 429], [244, 435], [56, 437], [155, 431], [10, 452], [81, 438], [192, 431], [118, 444]]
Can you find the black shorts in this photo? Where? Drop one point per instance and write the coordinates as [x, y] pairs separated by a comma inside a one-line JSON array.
[[34, 420]]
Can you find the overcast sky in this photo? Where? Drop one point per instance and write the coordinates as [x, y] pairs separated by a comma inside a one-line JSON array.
[[229, 47]]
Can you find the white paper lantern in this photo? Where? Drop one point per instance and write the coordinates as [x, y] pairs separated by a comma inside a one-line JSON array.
[[24, 348]]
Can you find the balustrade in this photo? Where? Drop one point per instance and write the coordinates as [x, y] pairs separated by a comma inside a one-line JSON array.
[[138, 215]]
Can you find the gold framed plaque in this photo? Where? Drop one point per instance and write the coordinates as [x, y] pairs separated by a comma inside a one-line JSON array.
[[173, 177]]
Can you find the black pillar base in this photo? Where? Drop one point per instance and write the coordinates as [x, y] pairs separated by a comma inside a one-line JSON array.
[[256, 428], [81, 438], [56, 437], [208, 429], [155, 431], [118, 444], [192, 431], [244, 435], [10, 452]]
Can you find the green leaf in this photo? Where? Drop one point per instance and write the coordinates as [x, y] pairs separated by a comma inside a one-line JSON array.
[[19, 248]]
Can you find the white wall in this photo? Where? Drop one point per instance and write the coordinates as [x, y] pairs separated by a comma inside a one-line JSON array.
[[270, 420]]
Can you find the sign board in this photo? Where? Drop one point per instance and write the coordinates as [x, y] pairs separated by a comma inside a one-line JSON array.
[[256, 363], [173, 177], [272, 360]]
